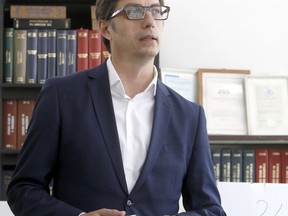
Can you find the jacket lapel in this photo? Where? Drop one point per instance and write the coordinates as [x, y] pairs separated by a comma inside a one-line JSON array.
[[101, 96], [160, 123]]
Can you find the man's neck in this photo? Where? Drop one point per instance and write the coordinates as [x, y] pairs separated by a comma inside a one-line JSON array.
[[135, 76]]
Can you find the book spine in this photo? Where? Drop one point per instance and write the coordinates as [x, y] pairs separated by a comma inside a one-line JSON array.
[[51, 53], [236, 165], [93, 11], [226, 165], [19, 55], [42, 55], [261, 165], [71, 51], [8, 55], [249, 165], [94, 48], [274, 158], [24, 113], [31, 59], [284, 166], [216, 158], [9, 124], [82, 49], [61, 52], [104, 52], [42, 23], [38, 12], [6, 179]]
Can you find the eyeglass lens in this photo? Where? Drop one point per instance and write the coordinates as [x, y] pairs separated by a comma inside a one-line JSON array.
[[138, 12]]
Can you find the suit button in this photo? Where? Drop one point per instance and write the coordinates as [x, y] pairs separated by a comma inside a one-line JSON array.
[[129, 203]]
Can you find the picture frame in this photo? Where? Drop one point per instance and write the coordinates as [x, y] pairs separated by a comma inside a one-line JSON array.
[[183, 81], [221, 93], [267, 104]]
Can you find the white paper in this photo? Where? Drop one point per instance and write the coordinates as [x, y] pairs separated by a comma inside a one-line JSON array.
[[184, 82], [224, 103], [267, 105]]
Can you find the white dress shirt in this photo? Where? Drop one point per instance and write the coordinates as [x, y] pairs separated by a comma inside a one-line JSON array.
[[134, 118]]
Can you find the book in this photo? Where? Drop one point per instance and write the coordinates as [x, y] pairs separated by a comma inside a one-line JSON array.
[[71, 51], [42, 55], [216, 158], [31, 59], [225, 165], [24, 113], [274, 158], [42, 23], [37, 11], [8, 55], [105, 53], [19, 55], [93, 17], [248, 165], [261, 165], [236, 165], [95, 25], [51, 53], [6, 179], [94, 48], [284, 166], [61, 52], [93, 12], [9, 131], [82, 49]]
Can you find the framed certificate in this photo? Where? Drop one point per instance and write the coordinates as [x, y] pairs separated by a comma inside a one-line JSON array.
[[267, 105], [183, 82], [221, 92]]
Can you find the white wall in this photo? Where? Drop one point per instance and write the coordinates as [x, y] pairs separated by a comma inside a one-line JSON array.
[[231, 34]]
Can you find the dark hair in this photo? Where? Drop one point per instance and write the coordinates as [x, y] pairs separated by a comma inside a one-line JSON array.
[[104, 9]]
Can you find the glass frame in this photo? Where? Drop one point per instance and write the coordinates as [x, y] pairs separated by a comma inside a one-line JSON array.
[[145, 9]]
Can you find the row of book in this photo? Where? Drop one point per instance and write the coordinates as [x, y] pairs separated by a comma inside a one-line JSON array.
[[16, 117], [251, 165], [34, 55]]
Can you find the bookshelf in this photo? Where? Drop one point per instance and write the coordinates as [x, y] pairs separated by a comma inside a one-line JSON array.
[[79, 13]]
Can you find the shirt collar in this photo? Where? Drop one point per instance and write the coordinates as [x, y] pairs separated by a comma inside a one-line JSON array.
[[115, 81]]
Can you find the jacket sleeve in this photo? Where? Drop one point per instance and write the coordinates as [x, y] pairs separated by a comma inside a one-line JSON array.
[[28, 193], [200, 193]]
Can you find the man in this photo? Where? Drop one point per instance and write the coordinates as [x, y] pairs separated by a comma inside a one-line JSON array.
[[115, 140]]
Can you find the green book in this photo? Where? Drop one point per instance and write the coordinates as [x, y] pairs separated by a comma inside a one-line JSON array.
[[19, 57], [8, 55]]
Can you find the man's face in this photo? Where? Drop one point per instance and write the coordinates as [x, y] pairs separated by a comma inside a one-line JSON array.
[[138, 38]]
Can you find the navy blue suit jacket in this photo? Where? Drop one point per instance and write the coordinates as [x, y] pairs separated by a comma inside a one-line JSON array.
[[73, 139]]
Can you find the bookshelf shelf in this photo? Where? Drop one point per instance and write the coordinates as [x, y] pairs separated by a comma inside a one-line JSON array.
[[247, 140]]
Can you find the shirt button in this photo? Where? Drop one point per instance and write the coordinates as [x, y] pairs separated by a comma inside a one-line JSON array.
[[129, 203]]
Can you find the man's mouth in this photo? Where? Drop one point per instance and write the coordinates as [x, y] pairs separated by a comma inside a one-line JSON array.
[[149, 37]]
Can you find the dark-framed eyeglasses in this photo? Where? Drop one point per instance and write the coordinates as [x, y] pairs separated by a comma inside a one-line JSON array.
[[138, 12]]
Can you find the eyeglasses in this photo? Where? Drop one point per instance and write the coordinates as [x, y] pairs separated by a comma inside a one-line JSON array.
[[137, 12]]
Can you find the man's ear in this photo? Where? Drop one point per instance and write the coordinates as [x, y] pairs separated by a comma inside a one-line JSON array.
[[104, 28]]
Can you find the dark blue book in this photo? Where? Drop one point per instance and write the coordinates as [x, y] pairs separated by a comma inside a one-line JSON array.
[[8, 55], [61, 52], [225, 165], [42, 55], [216, 158], [6, 179], [236, 165], [51, 51], [31, 58], [249, 173], [71, 51]]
